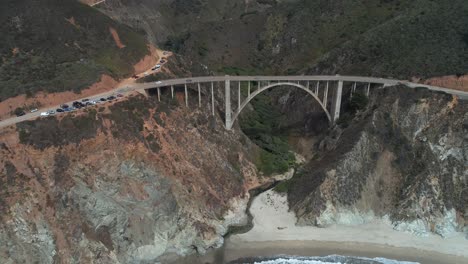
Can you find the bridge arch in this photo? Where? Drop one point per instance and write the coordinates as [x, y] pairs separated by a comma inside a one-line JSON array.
[[259, 91]]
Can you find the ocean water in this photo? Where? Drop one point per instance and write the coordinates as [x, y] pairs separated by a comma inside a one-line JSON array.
[[332, 259]]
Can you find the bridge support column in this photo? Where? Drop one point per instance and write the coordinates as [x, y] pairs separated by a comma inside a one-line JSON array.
[[239, 96], [325, 95], [186, 96], [353, 90], [248, 89], [317, 88], [199, 96], [368, 90], [336, 104], [227, 98], [159, 94], [172, 91], [212, 99]]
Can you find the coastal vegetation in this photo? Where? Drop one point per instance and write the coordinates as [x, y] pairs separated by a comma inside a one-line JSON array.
[[261, 126], [55, 46]]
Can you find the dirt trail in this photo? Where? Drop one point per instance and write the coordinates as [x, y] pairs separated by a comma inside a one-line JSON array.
[[115, 36]]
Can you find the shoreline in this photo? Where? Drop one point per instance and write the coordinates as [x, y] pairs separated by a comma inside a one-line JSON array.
[[233, 251], [324, 248], [275, 233]]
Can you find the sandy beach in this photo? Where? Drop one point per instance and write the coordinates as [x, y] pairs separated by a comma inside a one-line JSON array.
[[275, 233]]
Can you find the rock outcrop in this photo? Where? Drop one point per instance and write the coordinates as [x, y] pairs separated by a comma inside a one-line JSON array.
[[121, 184], [405, 158]]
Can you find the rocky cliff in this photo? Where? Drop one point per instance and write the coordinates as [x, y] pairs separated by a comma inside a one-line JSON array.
[[404, 159], [121, 184]]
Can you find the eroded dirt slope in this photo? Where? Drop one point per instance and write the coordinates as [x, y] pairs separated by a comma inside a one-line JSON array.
[[121, 184]]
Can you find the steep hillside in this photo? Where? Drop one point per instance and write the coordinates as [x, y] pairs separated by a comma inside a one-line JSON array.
[[401, 38], [121, 184], [429, 39], [61, 45], [404, 158]]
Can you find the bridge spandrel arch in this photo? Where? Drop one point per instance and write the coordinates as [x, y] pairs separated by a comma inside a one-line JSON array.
[[261, 90]]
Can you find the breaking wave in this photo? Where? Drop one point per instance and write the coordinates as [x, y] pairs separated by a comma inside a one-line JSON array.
[[332, 259]]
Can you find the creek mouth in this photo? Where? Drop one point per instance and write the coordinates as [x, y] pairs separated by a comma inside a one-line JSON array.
[[241, 229]]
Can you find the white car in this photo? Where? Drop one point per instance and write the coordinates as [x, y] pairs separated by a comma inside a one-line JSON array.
[[34, 110], [158, 82], [44, 114]]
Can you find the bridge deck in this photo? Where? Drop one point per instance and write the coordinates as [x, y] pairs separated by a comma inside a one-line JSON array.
[[358, 79]]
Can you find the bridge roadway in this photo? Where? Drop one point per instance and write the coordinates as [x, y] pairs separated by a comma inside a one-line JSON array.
[[140, 87], [352, 79]]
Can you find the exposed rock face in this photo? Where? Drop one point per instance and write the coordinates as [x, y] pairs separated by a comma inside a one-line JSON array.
[[405, 159], [123, 184]]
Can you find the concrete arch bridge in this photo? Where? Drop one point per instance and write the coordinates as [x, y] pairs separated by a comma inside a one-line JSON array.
[[320, 89]]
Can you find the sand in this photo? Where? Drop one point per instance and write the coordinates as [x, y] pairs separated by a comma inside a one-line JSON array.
[[275, 233]]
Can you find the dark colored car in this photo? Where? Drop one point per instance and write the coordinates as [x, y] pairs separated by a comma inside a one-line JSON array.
[[67, 109], [110, 98], [22, 113], [162, 61], [85, 100], [78, 105], [88, 104], [59, 110], [64, 106], [103, 99], [135, 76]]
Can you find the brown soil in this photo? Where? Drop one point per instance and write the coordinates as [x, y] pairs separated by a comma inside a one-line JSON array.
[[450, 81], [116, 37], [148, 61], [46, 100]]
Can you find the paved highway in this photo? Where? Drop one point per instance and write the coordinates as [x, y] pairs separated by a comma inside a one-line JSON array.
[[359, 79], [208, 79]]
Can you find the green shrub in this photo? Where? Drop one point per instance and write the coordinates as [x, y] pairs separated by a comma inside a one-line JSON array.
[[358, 102]]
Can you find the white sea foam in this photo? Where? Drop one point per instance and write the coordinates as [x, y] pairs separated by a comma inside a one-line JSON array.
[[294, 261], [333, 259]]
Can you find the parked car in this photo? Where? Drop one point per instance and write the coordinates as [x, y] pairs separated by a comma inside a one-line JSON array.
[[22, 113], [103, 99], [119, 95], [135, 76], [78, 105], [162, 61], [59, 110], [64, 106], [110, 98], [44, 114], [51, 112], [85, 100], [34, 110], [67, 109]]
